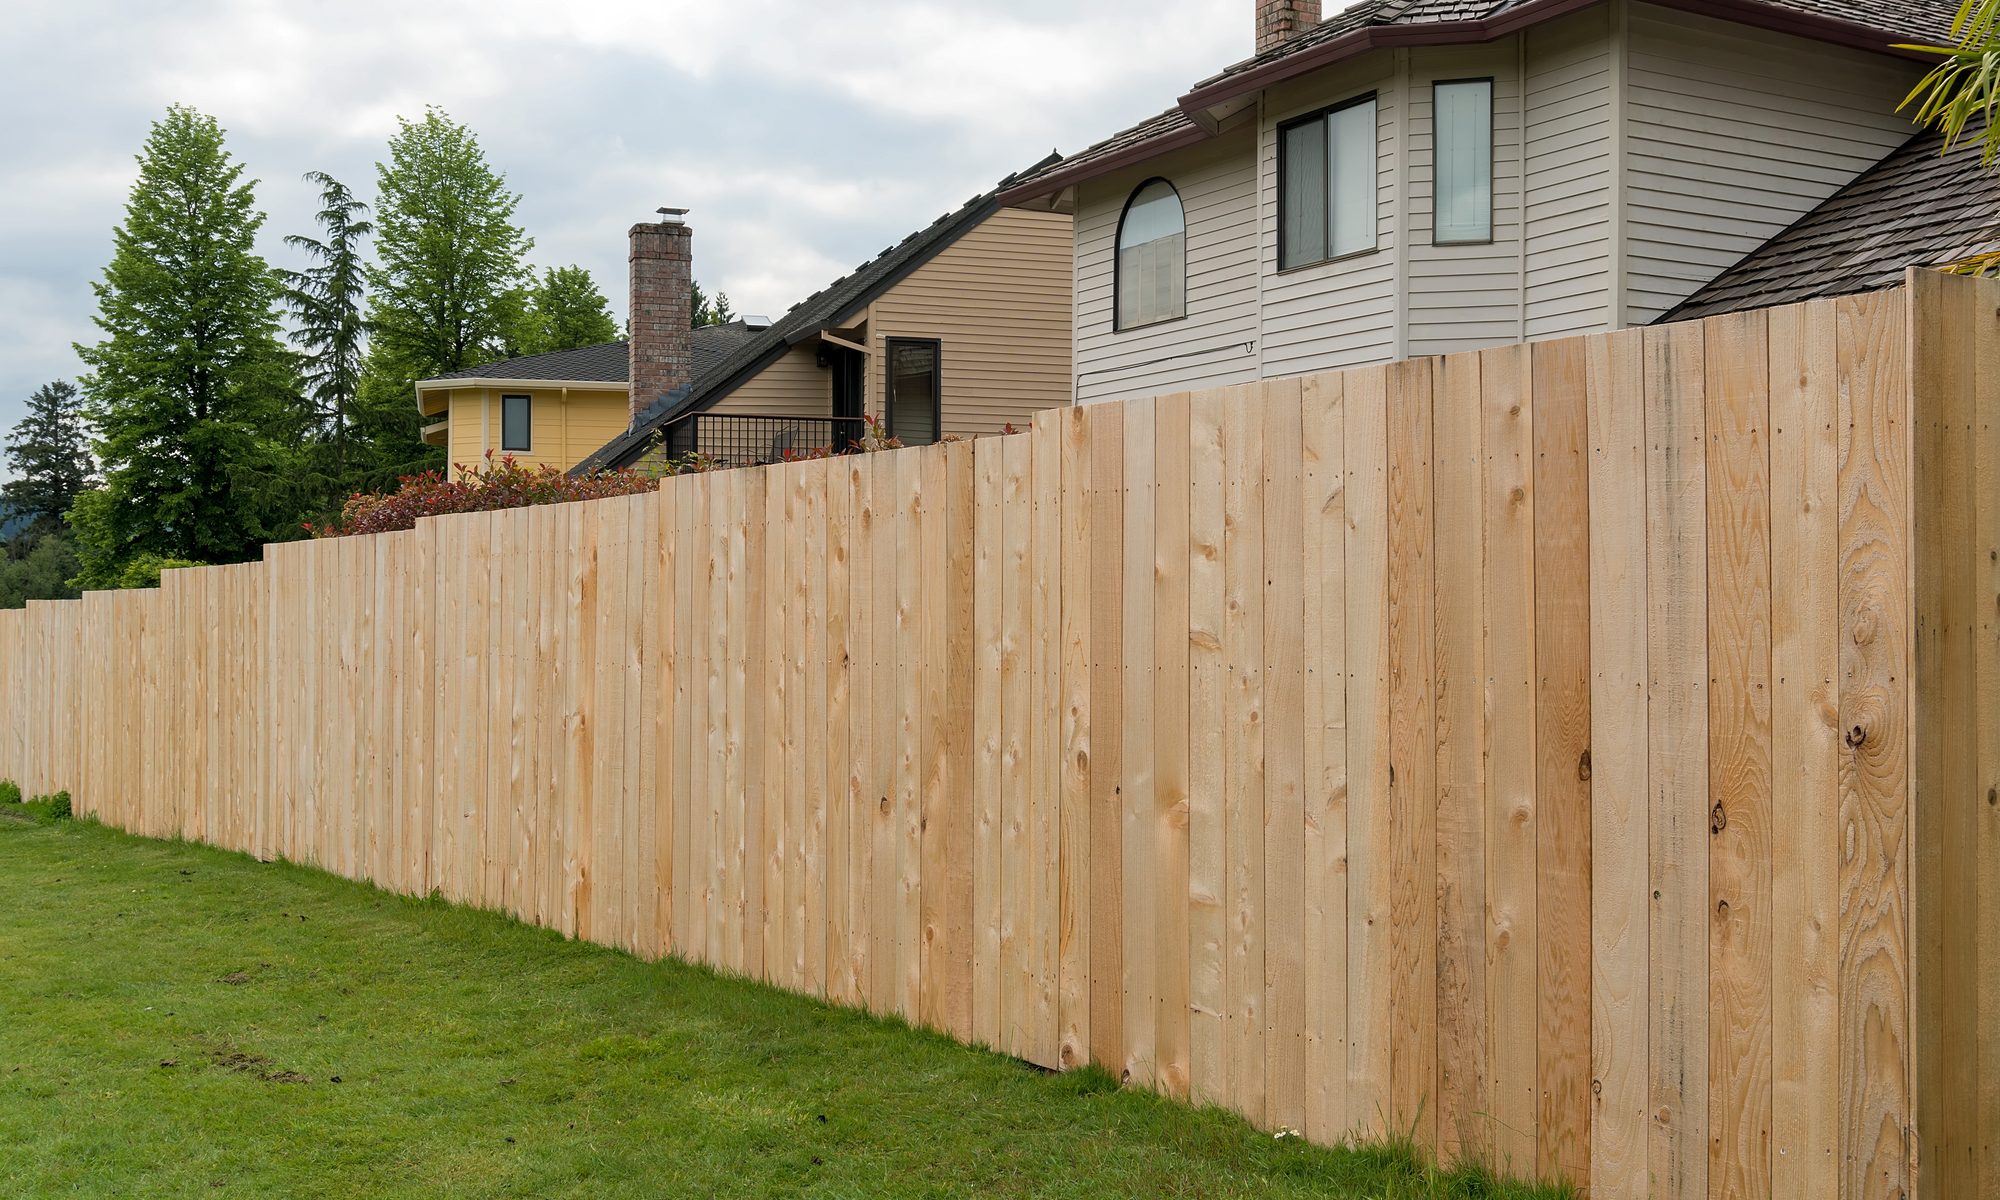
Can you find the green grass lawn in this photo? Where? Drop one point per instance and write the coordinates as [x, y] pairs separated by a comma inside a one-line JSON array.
[[177, 1021]]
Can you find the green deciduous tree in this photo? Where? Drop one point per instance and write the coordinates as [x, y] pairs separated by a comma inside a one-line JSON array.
[[567, 311], [189, 382], [49, 453], [450, 255], [41, 572], [326, 300]]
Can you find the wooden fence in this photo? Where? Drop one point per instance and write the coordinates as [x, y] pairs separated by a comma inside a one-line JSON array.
[[1584, 754]]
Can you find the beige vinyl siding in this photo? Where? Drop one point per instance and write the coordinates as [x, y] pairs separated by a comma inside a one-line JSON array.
[[1733, 134], [998, 299], [1569, 148], [565, 428], [1216, 342], [1340, 313], [793, 385], [1462, 297]]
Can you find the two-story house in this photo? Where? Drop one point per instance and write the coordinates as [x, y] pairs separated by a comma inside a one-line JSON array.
[[1416, 177]]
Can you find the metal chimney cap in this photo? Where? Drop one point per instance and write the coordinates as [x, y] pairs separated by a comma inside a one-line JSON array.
[[673, 215]]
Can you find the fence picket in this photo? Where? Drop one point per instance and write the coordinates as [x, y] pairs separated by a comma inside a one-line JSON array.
[[1580, 755]]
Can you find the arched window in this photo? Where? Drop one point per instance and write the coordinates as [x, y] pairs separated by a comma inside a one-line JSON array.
[[1152, 257]]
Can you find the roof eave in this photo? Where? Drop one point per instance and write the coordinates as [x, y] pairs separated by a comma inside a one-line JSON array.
[[1200, 103], [1056, 181], [1513, 20], [482, 381], [1806, 25]]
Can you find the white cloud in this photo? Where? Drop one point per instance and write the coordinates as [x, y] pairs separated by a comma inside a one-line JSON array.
[[805, 136]]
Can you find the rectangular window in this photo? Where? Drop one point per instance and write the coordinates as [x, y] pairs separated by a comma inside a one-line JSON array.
[[1326, 184], [516, 423], [1462, 141], [915, 380]]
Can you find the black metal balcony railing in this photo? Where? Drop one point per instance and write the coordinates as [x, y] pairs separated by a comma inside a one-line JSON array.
[[748, 439]]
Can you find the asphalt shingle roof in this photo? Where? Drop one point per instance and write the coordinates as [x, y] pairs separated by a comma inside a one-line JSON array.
[[610, 362], [1924, 21], [605, 363], [1917, 20], [1916, 207]]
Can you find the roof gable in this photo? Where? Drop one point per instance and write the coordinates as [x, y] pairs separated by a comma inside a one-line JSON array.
[[827, 308]]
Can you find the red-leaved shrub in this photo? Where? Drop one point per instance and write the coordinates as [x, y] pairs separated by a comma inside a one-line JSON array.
[[501, 483]]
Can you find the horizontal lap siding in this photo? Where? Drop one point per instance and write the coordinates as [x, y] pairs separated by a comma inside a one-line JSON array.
[[1361, 751], [1342, 313], [999, 299], [1462, 297], [1568, 151], [1733, 134], [1216, 343], [793, 385], [566, 426]]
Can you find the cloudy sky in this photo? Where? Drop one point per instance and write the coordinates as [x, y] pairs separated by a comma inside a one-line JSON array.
[[804, 136]]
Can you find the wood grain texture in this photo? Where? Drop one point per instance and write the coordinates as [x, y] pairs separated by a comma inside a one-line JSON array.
[[1284, 756], [1368, 706], [1412, 795], [1507, 445], [987, 821], [1986, 791], [1323, 529], [885, 895], [1739, 764], [1459, 579], [1045, 773], [1563, 767], [1945, 730], [1073, 966], [1619, 954], [1105, 428], [953, 775], [1171, 757], [1245, 810], [906, 933], [1138, 813], [1446, 747], [940, 825], [1677, 757], [1805, 659], [1875, 771], [839, 757], [1018, 893], [1208, 1004]]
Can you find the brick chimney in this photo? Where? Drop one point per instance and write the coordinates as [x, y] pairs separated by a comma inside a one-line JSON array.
[[662, 352], [1278, 20]]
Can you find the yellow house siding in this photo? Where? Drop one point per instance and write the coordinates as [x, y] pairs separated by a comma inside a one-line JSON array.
[[563, 429], [999, 300]]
